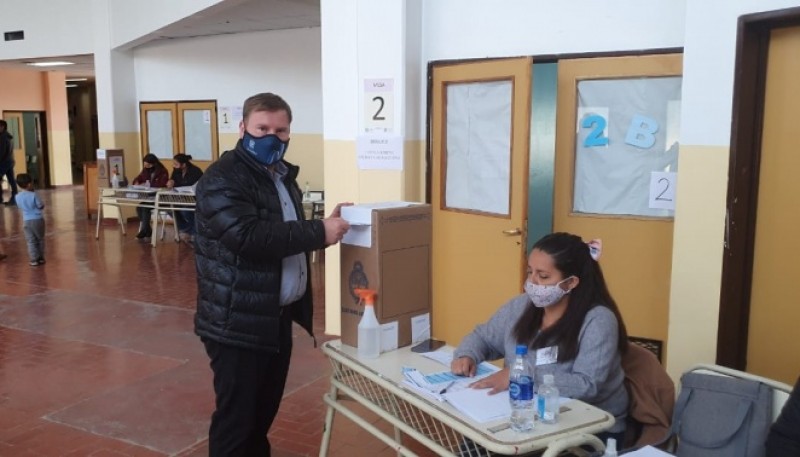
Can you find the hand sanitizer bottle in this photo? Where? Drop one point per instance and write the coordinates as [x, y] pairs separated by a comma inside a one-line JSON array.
[[611, 448], [547, 400], [114, 180], [369, 329]]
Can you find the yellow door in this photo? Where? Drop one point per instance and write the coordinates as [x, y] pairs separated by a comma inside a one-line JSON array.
[[637, 250], [773, 349], [479, 180]]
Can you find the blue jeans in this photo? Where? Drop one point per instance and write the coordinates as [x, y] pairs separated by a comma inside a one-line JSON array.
[[185, 221]]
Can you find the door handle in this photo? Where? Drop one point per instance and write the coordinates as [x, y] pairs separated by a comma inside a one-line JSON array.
[[512, 232]]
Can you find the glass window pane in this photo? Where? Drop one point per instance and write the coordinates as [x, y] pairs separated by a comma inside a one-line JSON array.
[[197, 134], [159, 133], [478, 142], [626, 129]]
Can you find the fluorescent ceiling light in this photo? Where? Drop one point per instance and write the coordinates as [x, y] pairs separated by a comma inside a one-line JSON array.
[[72, 80], [52, 63], [72, 85]]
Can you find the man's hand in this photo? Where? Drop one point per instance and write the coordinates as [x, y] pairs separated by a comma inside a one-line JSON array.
[[498, 382], [170, 184], [463, 366], [335, 228], [337, 212]]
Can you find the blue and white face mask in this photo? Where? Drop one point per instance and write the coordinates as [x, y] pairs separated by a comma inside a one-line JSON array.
[[267, 149]]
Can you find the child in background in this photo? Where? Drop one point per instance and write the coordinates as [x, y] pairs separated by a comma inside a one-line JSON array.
[[33, 220]]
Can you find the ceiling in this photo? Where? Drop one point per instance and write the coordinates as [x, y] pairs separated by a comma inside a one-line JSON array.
[[227, 17]]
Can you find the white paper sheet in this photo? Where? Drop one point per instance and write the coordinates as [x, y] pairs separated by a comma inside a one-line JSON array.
[[648, 451], [420, 327], [478, 405], [389, 338]]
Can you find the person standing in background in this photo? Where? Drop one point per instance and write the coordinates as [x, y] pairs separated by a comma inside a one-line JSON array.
[[7, 161]]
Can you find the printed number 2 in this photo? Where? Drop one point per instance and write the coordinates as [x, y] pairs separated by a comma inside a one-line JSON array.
[[595, 137], [377, 116], [660, 196]]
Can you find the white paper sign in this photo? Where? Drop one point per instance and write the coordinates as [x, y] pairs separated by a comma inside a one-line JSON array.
[[380, 152], [227, 122], [662, 189], [389, 336], [206, 116], [378, 105], [420, 327], [101, 154]]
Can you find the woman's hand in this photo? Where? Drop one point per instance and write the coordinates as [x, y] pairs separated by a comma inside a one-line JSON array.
[[463, 366], [170, 184], [498, 382]]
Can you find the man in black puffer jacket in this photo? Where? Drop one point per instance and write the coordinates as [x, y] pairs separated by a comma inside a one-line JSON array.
[[252, 247]]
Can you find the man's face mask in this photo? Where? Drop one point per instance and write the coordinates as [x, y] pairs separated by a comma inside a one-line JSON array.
[[268, 149]]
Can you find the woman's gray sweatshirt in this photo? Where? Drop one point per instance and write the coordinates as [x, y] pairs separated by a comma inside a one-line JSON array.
[[594, 376]]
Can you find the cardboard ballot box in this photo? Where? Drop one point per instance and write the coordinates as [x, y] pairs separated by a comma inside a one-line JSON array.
[[388, 249], [110, 161]]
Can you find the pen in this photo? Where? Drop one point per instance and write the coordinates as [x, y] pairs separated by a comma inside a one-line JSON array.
[[444, 389]]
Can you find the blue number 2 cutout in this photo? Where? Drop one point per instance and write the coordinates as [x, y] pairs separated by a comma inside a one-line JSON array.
[[595, 137]]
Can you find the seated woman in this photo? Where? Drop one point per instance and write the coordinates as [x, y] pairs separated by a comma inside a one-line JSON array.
[[153, 174], [184, 173], [566, 312]]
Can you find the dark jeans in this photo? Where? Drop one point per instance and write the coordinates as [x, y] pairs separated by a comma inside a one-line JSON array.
[[185, 221], [34, 235], [249, 386], [7, 170], [144, 212]]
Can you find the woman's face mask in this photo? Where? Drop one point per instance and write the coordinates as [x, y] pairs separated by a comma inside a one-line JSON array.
[[543, 296], [267, 149]]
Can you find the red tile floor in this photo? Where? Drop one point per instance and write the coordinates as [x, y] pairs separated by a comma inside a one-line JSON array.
[[98, 355]]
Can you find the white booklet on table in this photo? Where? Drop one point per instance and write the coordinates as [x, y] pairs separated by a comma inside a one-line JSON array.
[[478, 405]]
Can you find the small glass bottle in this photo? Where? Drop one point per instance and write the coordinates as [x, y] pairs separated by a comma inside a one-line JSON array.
[[547, 400]]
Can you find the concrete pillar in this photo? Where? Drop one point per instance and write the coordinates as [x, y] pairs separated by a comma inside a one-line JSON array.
[[362, 41]]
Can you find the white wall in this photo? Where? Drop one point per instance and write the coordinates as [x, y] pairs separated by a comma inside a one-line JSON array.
[[132, 19], [708, 66], [462, 29], [474, 29], [52, 28], [230, 68]]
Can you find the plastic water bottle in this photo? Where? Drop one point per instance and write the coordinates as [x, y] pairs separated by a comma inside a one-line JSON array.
[[114, 181], [369, 329], [520, 391], [547, 400], [147, 184]]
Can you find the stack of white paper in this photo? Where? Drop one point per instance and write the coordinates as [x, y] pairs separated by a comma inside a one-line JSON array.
[[478, 405]]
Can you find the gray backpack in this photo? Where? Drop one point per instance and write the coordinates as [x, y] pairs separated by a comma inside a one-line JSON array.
[[721, 416]]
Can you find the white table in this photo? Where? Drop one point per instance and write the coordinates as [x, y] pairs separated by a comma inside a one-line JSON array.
[[377, 384], [156, 199], [125, 196], [170, 200]]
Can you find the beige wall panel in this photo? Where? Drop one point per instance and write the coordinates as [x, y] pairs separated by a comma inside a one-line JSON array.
[[697, 257]]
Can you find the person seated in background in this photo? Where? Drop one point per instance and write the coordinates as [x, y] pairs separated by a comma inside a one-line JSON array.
[[568, 317], [184, 173], [153, 174], [784, 435]]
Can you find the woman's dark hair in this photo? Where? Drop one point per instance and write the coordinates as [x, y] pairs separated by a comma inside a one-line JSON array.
[[571, 257], [182, 158], [153, 160]]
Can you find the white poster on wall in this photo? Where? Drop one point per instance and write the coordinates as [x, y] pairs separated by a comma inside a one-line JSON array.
[[380, 152], [227, 121]]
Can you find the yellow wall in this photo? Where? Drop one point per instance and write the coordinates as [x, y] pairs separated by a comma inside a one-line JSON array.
[[346, 183], [697, 256]]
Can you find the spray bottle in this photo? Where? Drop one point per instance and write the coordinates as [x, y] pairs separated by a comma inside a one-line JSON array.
[[369, 330]]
